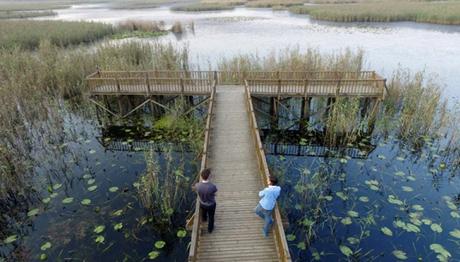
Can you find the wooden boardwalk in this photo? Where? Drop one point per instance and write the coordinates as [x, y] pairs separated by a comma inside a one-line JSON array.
[[232, 144], [238, 230]]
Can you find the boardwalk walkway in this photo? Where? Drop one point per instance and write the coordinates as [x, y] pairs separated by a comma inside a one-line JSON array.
[[238, 231]]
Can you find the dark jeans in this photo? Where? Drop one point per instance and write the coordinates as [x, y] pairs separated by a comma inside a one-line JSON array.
[[208, 215]]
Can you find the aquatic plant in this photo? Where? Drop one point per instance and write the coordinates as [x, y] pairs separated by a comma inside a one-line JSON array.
[[385, 11]]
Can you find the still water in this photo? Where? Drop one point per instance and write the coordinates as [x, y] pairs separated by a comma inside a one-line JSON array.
[[388, 46]]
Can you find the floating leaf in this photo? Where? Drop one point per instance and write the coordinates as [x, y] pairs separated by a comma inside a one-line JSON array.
[[99, 229], [440, 250], [382, 157], [417, 207], [54, 195], [436, 228], [399, 173], [92, 188], [364, 199], [182, 233], [160, 244], [454, 214], [407, 189], [342, 195], [100, 239], [86, 202], [43, 257], [343, 160], [345, 250], [91, 181], [46, 246], [426, 221], [118, 226], [290, 237], [67, 200], [46, 200], [386, 231], [57, 186], [301, 246], [33, 212], [346, 221], [352, 213], [455, 233], [353, 240], [154, 254], [394, 200], [92, 151], [399, 254], [10, 239], [118, 213], [113, 189], [412, 228], [411, 178]]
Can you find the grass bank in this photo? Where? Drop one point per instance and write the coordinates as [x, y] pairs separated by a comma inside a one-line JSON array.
[[392, 11], [22, 14], [200, 7]]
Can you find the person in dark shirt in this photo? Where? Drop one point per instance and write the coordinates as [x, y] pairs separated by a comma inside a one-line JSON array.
[[207, 196]]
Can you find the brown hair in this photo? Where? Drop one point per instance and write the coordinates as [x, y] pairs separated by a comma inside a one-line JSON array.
[[205, 173], [273, 180]]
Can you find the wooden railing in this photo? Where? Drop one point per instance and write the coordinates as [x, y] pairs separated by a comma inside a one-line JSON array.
[[323, 87], [204, 163], [278, 229]]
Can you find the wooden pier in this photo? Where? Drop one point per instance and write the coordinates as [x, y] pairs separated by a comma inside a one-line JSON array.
[[232, 144]]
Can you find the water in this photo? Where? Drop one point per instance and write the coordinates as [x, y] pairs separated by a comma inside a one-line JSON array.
[[92, 178], [388, 46]]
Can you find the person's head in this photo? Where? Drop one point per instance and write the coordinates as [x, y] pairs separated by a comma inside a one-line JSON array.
[[273, 180], [205, 174]]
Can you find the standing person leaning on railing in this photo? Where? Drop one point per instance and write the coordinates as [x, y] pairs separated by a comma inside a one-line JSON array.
[[266, 205]]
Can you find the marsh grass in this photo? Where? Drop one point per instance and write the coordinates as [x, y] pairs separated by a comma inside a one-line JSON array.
[[200, 7], [11, 5], [28, 34], [274, 3], [390, 11], [22, 14]]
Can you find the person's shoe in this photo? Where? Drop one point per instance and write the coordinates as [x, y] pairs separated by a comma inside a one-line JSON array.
[[210, 231], [265, 234]]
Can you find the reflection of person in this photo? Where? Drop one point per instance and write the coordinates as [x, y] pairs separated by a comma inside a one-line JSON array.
[[267, 203], [207, 196]]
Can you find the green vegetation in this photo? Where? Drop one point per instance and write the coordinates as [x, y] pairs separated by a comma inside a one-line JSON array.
[[199, 7], [140, 29], [391, 11], [11, 5], [28, 34], [22, 14], [274, 3]]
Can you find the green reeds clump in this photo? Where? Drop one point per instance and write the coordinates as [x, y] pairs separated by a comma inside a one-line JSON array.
[[274, 3], [22, 14], [139, 28], [28, 34], [200, 7], [388, 11]]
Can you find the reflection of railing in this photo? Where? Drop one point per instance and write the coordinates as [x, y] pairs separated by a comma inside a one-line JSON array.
[[141, 145], [204, 163], [280, 237], [316, 150]]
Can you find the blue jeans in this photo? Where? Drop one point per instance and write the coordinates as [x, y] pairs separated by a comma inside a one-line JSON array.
[[266, 215]]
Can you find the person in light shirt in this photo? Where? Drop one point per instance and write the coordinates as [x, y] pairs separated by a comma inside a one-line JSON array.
[[267, 203]]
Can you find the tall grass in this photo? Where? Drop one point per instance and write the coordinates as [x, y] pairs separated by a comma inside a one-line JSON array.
[[34, 83], [274, 3], [22, 14], [28, 34], [11, 5], [199, 7], [391, 11]]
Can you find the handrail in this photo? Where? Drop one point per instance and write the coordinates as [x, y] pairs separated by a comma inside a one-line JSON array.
[[204, 163], [280, 237]]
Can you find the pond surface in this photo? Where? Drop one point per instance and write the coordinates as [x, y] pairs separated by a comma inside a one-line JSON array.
[[87, 202], [388, 46]]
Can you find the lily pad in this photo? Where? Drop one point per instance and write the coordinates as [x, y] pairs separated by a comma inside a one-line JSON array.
[[67, 200], [33, 212], [100, 239], [10, 239], [91, 181], [417, 207], [92, 188], [454, 214], [394, 200], [118, 226], [438, 249], [352, 213], [57, 186], [436, 228], [407, 189], [46, 246], [92, 151], [118, 213], [346, 221], [290, 237], [301, 246], [455, 233], [364, 199], [342, 196], [113, 189], [386, 231], [86, 202], [154, 254], [99, 229], [182, 233], [345, 250], [46, 200], [399, 254], [160, 244]]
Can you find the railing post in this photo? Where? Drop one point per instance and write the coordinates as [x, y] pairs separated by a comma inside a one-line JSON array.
[[279, 88], [147, 81], [215, 77], [118, 85], [181, 86]]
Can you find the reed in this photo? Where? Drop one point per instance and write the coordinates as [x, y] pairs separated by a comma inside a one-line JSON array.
[[200, 7], [391, 11], [274, 3], [21, 14]]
